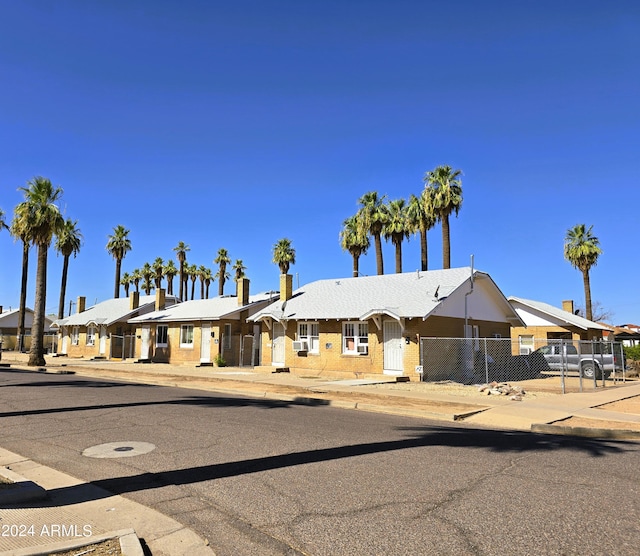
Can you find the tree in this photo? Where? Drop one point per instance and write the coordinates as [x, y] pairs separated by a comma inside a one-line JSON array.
[[206, 276], [598, 312], [284, 254], [170, 272], [420, 219], [118, 246], [354, 240], [181, 254], [202, 271], [44, 220], [444, 190], [222, 260], [147, 278], [238, 269], [3, 224], [396, 228], [68, 242], [136, 276], [372, 216], [158, 272], [581, 249], [192, 272], [126, 281], [20, 230]]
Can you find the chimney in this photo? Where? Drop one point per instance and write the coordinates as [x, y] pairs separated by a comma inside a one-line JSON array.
[[82, 304], [243, 292], [286, 287], [160, 299], [134, 300], [567, 306], [1, 309]]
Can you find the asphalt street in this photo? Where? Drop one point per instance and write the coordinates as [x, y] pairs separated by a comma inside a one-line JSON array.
[[256, 476]]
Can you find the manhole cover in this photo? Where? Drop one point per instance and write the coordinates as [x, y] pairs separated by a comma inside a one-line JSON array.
[[119, 450]]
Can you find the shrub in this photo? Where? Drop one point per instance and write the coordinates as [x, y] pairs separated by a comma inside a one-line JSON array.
[[219, 361], [632, 352]]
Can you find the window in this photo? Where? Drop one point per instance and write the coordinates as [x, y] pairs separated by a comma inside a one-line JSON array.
[[227, 336], [526, 344], [75, 336], [355, 338], [91, 336], [308, 332], [162, 334], [186, 335]]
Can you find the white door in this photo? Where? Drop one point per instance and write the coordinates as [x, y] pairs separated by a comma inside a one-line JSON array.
[[393, 348], [145, 339], [205, 344], [277, 347], [103, 340]]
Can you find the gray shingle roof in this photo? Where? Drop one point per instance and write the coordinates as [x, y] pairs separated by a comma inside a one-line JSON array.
[[110, 311], [203, 310], [555, 314], [406, 295]]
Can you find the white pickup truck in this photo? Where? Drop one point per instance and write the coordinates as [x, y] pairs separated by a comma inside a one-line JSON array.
[[565, 356]]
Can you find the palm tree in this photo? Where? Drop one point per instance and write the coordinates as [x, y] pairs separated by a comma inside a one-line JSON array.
[[202, 270], [222, 260], [126, 281], [581, 249], [192, 272], [20, 230], [354, 240], [445, 197], [68, 242], [170, 272], [206, 276], [158, 272], [118, 246], [372, 216], [396, 228], [136, 276], [44, 220], [284, 255], [147, 278], [238, 269], [181, 254], [420, 218]]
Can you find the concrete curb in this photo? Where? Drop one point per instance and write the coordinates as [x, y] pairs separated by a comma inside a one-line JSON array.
[[586, 432], [22, 490], [129, 545]]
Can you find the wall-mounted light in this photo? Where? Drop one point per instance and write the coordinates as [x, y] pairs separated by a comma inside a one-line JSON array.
[[407, 340]]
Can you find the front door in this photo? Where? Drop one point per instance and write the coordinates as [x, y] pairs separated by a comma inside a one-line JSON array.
[[103, 340], [65, 341], [393, 348], [277, 349], [145, 340], [205, 344]]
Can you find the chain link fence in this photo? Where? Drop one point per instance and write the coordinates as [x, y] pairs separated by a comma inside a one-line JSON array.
[[122, 346], [587, 364]]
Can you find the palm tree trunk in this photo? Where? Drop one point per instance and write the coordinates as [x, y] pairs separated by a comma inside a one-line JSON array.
[[424, 255], [181, 281], [379, 262], [193, 289], [23, 294], [116, 288], [63, 286], [446, 245], [36, 354], [587, 294], [399, 257], [356, 266], [170, 285]]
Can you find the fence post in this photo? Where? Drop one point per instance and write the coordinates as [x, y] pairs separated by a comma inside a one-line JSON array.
[[593, 362], [486, 363]]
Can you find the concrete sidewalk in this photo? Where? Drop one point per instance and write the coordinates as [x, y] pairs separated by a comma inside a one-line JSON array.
[[106, 515]]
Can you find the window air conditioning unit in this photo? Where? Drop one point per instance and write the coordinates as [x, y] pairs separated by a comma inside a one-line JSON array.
[[525, 351], [299, 345], [363, 350]]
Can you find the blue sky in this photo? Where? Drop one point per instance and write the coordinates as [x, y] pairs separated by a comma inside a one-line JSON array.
[[234, 124]]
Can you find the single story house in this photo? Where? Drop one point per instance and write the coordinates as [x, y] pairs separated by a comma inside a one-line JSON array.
[[9, 329], [627, 334], [545, 322], [102, 330], [202, 331], [373, 324]]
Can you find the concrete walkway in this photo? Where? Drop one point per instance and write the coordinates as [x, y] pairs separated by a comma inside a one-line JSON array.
[[107, 515]]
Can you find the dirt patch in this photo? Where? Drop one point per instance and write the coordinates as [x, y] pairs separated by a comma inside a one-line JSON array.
[[630, 405], [109, 547]]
